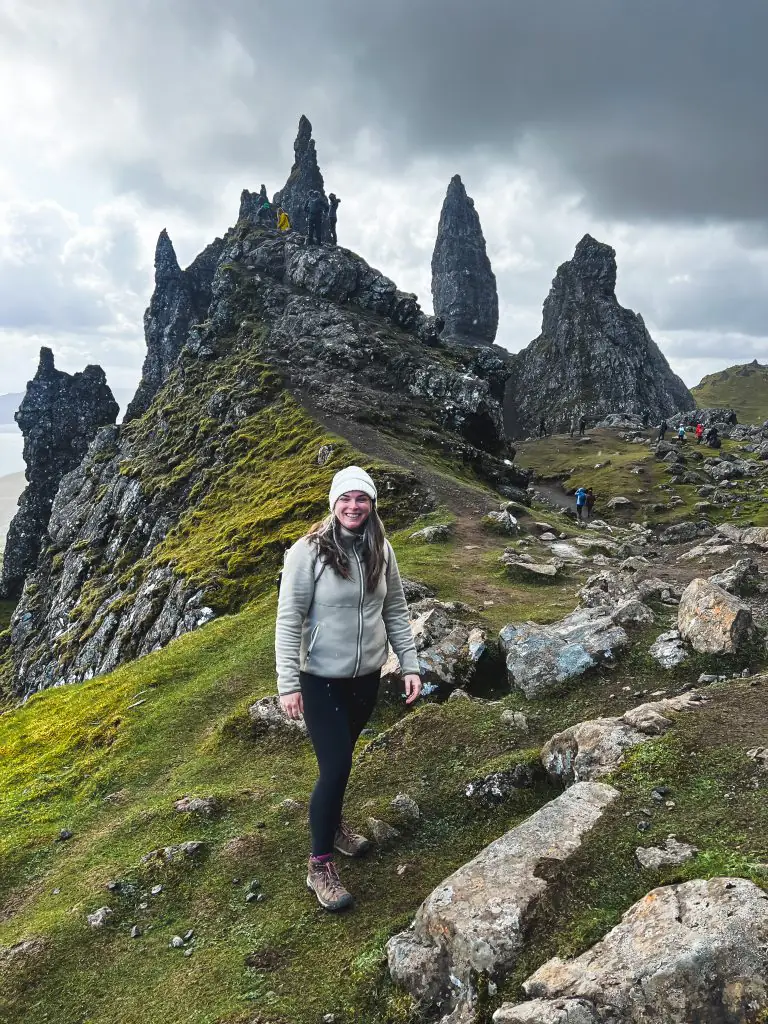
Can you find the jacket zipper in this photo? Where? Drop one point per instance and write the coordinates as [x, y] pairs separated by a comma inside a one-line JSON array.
[[359, 615], [312, 638]]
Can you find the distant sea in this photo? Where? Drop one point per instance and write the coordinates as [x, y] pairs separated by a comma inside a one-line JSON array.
[[11, 447]]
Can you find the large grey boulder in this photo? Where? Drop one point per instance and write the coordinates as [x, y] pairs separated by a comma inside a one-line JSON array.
[[592, 749], [593, 356], [475, 921], [711, 619], [685, 953], [668, 649], [59, 416], [736, 577], [463, 284], [542, 658], [749, 536]]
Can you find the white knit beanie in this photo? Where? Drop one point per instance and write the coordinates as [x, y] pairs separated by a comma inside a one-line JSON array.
[[351, 478]]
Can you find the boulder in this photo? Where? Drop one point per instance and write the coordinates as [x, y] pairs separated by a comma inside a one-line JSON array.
[[476, 920], [518, 565], [204, 805], [632, 612], [681, 533], [541, 658], [100, 917], [448, 649], [668, 649], [432, 534], [381, 833], [495, 787], [671, 854], [736, 577], [504, 520], [592, 749], [750, 536], [684, 953], [268, 716], [712, 620]]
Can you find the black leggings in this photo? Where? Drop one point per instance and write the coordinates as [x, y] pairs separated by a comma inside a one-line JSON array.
[[335, 711]]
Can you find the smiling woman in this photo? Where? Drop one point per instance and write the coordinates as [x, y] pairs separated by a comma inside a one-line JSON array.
[[341, 605]]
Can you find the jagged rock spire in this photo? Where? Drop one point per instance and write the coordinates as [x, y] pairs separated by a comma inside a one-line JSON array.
[[180, 298], [58, 416], [593, 356], [463, 283], [304, 177]]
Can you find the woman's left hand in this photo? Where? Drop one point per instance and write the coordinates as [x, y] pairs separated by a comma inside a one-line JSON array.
[[412, 687]]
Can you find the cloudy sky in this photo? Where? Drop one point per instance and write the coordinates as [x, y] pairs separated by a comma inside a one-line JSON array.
[[640, 121]]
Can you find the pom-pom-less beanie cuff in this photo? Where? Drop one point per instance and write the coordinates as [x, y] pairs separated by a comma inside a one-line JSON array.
[[351, 478]]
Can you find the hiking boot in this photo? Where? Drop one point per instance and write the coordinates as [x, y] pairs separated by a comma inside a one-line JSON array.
[[323, 879], [350, 843]]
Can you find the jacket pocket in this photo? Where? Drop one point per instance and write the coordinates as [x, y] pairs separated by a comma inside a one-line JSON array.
[[312, 640]]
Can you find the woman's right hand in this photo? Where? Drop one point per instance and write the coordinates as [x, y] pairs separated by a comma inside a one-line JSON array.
[[292, 704]]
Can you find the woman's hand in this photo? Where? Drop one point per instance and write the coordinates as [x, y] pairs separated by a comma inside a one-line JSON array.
[[412, 688], [292, 704]]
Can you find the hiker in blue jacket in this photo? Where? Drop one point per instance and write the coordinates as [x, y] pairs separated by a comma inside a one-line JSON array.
[[581, 501]]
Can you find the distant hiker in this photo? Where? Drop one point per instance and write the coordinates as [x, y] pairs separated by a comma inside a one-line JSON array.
[[590, 502], [333, 205], [341, 602], [699, 432], [581, 502], [582, 426], [283, 220], [543, 428], [314, 208], [646, 417], [713, 438], [681, 433], [572, 426], [663, 428], [265, 213]]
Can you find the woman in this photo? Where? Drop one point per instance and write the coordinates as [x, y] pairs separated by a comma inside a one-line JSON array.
[[341, 600]]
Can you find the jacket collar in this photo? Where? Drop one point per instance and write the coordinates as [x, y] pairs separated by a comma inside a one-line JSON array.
[[349, 538]]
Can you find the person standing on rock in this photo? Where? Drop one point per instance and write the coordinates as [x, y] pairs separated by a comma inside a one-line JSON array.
[[283, 220], [646, 418], [582, 426], [663, 428], [681, 433], [581, 501], [341, 602], [314, 208], [333, 205]]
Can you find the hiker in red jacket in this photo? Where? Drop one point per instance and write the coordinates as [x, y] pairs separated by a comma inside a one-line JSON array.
[[699, 432]]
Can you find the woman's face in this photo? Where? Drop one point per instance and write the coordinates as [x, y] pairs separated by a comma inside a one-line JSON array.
[[352, 509]]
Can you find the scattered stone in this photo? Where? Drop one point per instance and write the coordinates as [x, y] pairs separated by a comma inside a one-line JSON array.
[[100, 917], [736, 577], [172, 854], [668, 649], [21, 953], [291, 806], [324, 453], [135, 932], [505, 520], [268, 716], [759, 755], [712, 620], [176, 942], [618, 502], [632, 612], [680, 533], [64, 835], [206, 806], [476, 920], [432, 534], [689, 952], [515, 719], [406, 808], [156, 890], [415, 590], [520, 565], [750, 536], [189, 935], [672, 854], [459, 695], [497, 786], [381, 833]]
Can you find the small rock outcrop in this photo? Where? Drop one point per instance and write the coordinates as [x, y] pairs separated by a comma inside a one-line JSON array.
[[711, 619], [181, 297], [59, 417], [593, 356], [689, 952], [592, 749], [305, 177], [463, 284], [475, 921]]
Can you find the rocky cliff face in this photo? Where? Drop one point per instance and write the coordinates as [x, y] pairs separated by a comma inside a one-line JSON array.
[[180, 298], [463, 284], [59, 416], [318, 324], [304, 177], [593, 356]]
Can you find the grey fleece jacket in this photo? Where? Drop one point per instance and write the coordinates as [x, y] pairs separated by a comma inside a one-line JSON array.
[[334, 627]]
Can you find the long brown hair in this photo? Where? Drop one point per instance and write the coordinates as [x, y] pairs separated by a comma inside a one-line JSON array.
[[326, 536]]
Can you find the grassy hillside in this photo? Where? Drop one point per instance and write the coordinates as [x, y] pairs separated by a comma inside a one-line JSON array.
[[743, 388], [106, 759]]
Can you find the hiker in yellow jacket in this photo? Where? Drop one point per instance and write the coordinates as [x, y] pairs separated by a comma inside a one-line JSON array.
[[283, 221]]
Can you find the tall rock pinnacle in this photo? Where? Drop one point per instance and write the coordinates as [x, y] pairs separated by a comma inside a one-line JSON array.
[[463, 284], [304, 177], [593, 356], [58, 416], [180, 298]]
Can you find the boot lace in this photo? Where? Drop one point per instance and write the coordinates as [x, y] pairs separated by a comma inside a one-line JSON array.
[[347, 832], [331, 879]]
